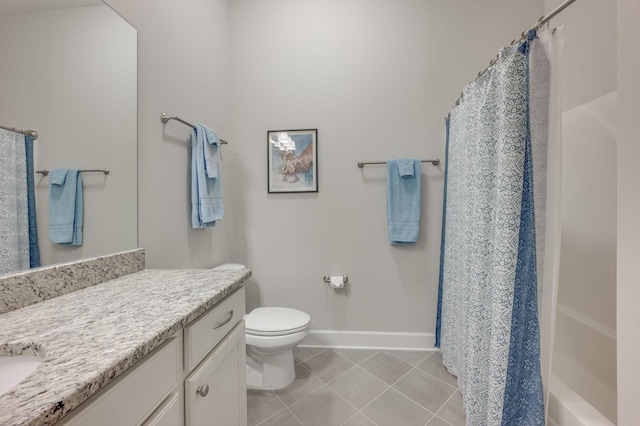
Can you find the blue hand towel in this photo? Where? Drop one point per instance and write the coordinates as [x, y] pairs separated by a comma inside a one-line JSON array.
[[206, 188], [65, 207], [403, 200], [211, 153]]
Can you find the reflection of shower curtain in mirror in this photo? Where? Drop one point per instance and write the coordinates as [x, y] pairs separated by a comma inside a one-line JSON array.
[[15, 244], [34, 249]]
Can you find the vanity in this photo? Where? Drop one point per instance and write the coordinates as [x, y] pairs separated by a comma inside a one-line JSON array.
[[151, 347]]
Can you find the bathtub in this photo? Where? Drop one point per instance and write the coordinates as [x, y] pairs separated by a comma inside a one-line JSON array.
[[567, 408]]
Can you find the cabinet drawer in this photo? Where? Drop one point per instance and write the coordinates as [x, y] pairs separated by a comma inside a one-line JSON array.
[[207, 331], [134, 395]]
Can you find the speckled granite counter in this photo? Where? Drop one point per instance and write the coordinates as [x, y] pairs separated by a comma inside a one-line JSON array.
[[31, 286], [91, 336]]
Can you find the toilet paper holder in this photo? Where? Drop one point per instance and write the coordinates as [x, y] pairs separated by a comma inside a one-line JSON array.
[[327, 279]]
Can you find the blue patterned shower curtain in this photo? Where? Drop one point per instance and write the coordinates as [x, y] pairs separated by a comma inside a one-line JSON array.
[[19, 242], [487, 325]]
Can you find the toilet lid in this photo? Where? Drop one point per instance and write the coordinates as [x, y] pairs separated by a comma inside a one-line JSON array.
[[275, 321]]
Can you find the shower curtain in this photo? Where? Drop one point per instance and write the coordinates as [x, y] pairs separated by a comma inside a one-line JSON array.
[[487, 325], [18, 250]]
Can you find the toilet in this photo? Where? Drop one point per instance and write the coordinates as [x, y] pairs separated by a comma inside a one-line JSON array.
[[271, 334]]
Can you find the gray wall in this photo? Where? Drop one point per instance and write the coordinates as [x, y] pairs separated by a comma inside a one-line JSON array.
[[376, 78], [590, 52], [183, 58]]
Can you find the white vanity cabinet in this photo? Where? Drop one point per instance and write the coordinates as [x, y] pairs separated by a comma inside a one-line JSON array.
[[135, 395], [196, 378], [168, 414], [215, 362], [215, 393]]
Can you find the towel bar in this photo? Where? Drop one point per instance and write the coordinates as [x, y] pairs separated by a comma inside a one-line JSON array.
[[361, 164], [166, 117], [105, 171]]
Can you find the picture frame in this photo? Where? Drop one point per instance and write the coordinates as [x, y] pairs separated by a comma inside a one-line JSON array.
[[292, 161]]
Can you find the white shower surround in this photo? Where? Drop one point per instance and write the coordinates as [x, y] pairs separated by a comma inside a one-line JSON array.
[[567, 408]]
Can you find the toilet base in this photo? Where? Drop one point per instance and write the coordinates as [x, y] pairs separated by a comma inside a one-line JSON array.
[[269, 372]]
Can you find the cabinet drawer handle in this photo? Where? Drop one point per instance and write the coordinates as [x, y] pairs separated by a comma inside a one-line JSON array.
[[203, 390], [220, 324]]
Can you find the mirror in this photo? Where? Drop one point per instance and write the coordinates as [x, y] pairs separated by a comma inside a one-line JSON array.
[[69, 71]]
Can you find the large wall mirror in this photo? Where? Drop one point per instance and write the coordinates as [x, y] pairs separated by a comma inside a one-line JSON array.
[[69, 71]]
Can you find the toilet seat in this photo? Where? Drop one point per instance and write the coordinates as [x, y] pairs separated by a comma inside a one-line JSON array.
[[272, 321]]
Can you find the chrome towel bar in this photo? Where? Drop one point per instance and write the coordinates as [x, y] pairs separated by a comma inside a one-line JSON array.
[[361, 164], [166, 117], [105, 171]]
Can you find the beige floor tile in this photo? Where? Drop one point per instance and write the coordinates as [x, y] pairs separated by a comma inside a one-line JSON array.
[[392, 408], [303, 354], [361, 379], [411, 357], [425, 389], [435, 422], [452, 411], [323, 407], [303, 385], [328, 365], [358, 420], [261, 406], [356, 355], [386, 367], [358, 387], [285, 418], [433, 365]]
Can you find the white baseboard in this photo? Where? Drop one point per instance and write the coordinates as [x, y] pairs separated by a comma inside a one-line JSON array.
[[369, 340]]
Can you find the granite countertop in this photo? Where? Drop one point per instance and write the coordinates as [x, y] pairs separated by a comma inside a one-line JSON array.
[[91, 336]]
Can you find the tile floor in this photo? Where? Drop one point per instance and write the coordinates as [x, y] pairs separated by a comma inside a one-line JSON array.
[[357, 387]]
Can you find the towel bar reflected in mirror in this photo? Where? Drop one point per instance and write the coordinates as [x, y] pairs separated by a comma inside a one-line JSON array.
[[105, 171]]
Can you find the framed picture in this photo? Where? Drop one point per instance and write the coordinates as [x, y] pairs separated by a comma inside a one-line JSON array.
[[292, 160]]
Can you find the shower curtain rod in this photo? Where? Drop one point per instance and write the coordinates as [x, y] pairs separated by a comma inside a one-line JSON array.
[[543, 20], [31, 133], [166, 117]]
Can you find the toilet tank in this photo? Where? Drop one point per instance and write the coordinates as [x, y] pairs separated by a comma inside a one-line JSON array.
[[229, 266]]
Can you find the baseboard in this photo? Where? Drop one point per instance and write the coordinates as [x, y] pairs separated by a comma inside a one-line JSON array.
[[369, 340]]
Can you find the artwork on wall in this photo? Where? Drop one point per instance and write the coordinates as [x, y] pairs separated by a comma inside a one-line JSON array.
[[292, 160]]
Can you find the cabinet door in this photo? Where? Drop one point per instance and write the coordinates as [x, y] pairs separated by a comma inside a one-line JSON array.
[[168, 414], [134, 395], [216, 391]]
